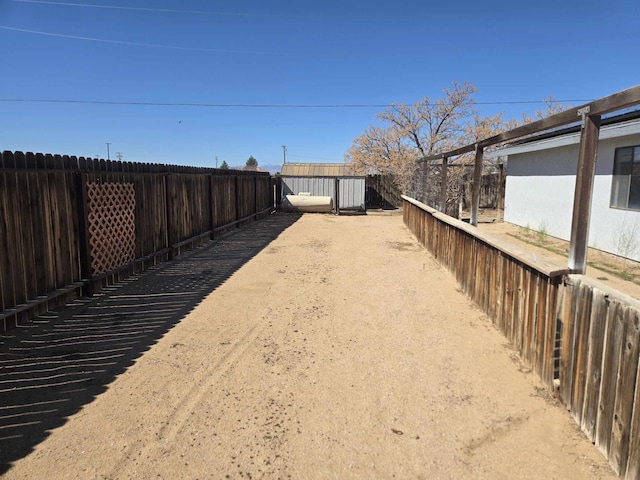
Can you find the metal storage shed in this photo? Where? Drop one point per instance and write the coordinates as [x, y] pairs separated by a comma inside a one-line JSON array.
[[336, 180]]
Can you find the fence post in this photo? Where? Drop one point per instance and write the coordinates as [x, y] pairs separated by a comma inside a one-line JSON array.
[[583, 192], [212, 218], [169, 215], [237, 195], [500, 187], [477, 179], [83, 231], [255, 197], [277, 191], [443, 185]]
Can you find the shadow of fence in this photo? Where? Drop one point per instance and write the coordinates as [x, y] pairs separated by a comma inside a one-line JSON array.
[[53, 366]]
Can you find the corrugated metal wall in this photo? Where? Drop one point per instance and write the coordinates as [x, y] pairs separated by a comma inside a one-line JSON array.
[[351, 193], [323, 186], [352, 189]]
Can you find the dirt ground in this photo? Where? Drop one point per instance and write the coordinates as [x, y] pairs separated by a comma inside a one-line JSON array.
[[341, 350]]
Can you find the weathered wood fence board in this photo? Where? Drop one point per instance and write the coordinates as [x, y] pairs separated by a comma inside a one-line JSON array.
[[188, 197], [579, 336], [599, 373], [381, 192], [498, 282], [224, 200], [38, 251], [633, 463], [264, 192], [246, 197], [46, 235]]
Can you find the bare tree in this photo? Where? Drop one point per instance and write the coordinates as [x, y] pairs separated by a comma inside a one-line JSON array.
[[411, 132], [406, 134], [385, 151], [433, 125], [553, 107]]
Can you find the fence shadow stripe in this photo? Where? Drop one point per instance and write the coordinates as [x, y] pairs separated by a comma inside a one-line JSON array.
[[52, 367]]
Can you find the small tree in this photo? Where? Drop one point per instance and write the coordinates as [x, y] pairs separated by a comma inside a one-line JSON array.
[[252, 162], [625, 238], [224, 165]]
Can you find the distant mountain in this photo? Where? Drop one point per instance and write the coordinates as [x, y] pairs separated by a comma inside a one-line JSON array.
[[271, 168]]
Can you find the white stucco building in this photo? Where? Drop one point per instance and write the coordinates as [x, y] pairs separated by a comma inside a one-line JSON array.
[[540, 181]]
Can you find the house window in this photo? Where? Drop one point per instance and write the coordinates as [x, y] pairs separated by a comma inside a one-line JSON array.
[[625, 188]]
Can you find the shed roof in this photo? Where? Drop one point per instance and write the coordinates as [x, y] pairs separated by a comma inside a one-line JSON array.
[[318, 170]]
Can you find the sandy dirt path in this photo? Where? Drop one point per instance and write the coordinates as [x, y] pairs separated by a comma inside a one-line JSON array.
[[342, 350]]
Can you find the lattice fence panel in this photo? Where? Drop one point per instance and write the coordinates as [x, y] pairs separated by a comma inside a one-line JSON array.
[[112, 228]]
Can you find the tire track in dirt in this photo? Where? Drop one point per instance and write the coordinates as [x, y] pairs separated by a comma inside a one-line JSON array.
[[219, 379], [193, 397], [341, 351]]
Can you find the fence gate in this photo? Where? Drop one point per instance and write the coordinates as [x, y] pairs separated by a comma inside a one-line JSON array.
[[111, 225]]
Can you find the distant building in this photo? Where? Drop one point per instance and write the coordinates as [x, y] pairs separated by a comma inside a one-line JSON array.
[[319, 170], [338, 181]]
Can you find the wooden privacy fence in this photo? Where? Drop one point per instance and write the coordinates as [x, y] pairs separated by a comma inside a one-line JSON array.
[[382, 192], [69, 223], [581, 338], [599, 369], [518, 293]]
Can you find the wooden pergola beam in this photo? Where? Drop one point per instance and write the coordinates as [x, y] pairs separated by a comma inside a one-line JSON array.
[[617, 101]]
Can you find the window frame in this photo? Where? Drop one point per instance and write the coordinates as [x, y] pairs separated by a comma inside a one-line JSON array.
[[622, 183]]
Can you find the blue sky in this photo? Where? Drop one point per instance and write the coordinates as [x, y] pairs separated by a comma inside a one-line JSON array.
[[286, 52]]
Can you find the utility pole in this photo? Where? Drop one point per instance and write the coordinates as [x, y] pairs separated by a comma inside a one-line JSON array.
[[216, 161], [119, 156], [108, 144], [284, 153]]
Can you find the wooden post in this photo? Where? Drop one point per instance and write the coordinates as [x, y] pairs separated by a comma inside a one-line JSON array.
[[500, 200], [255, 197], [273, 187], [583, 191], [443, 185], [278, 191], [212, 213], [477, 179], [83, 231], [169, 216], [237, 183]]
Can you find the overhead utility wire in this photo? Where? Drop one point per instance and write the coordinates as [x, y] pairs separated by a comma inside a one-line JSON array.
[[147, 9], [314, 158], [251, 105], [120, 42]]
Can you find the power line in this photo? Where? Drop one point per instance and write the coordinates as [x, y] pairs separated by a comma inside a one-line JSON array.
[[315, 158], [143, 9], [254, 105], [215, 105], [135, 44]]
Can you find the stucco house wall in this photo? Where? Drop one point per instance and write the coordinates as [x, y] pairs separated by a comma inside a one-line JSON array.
[[540, 186]]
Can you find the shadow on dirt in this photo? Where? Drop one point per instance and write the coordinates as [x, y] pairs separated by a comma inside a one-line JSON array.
[[52, 367]]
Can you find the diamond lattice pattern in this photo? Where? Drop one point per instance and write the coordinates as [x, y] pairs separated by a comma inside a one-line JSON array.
[[112, 229]]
